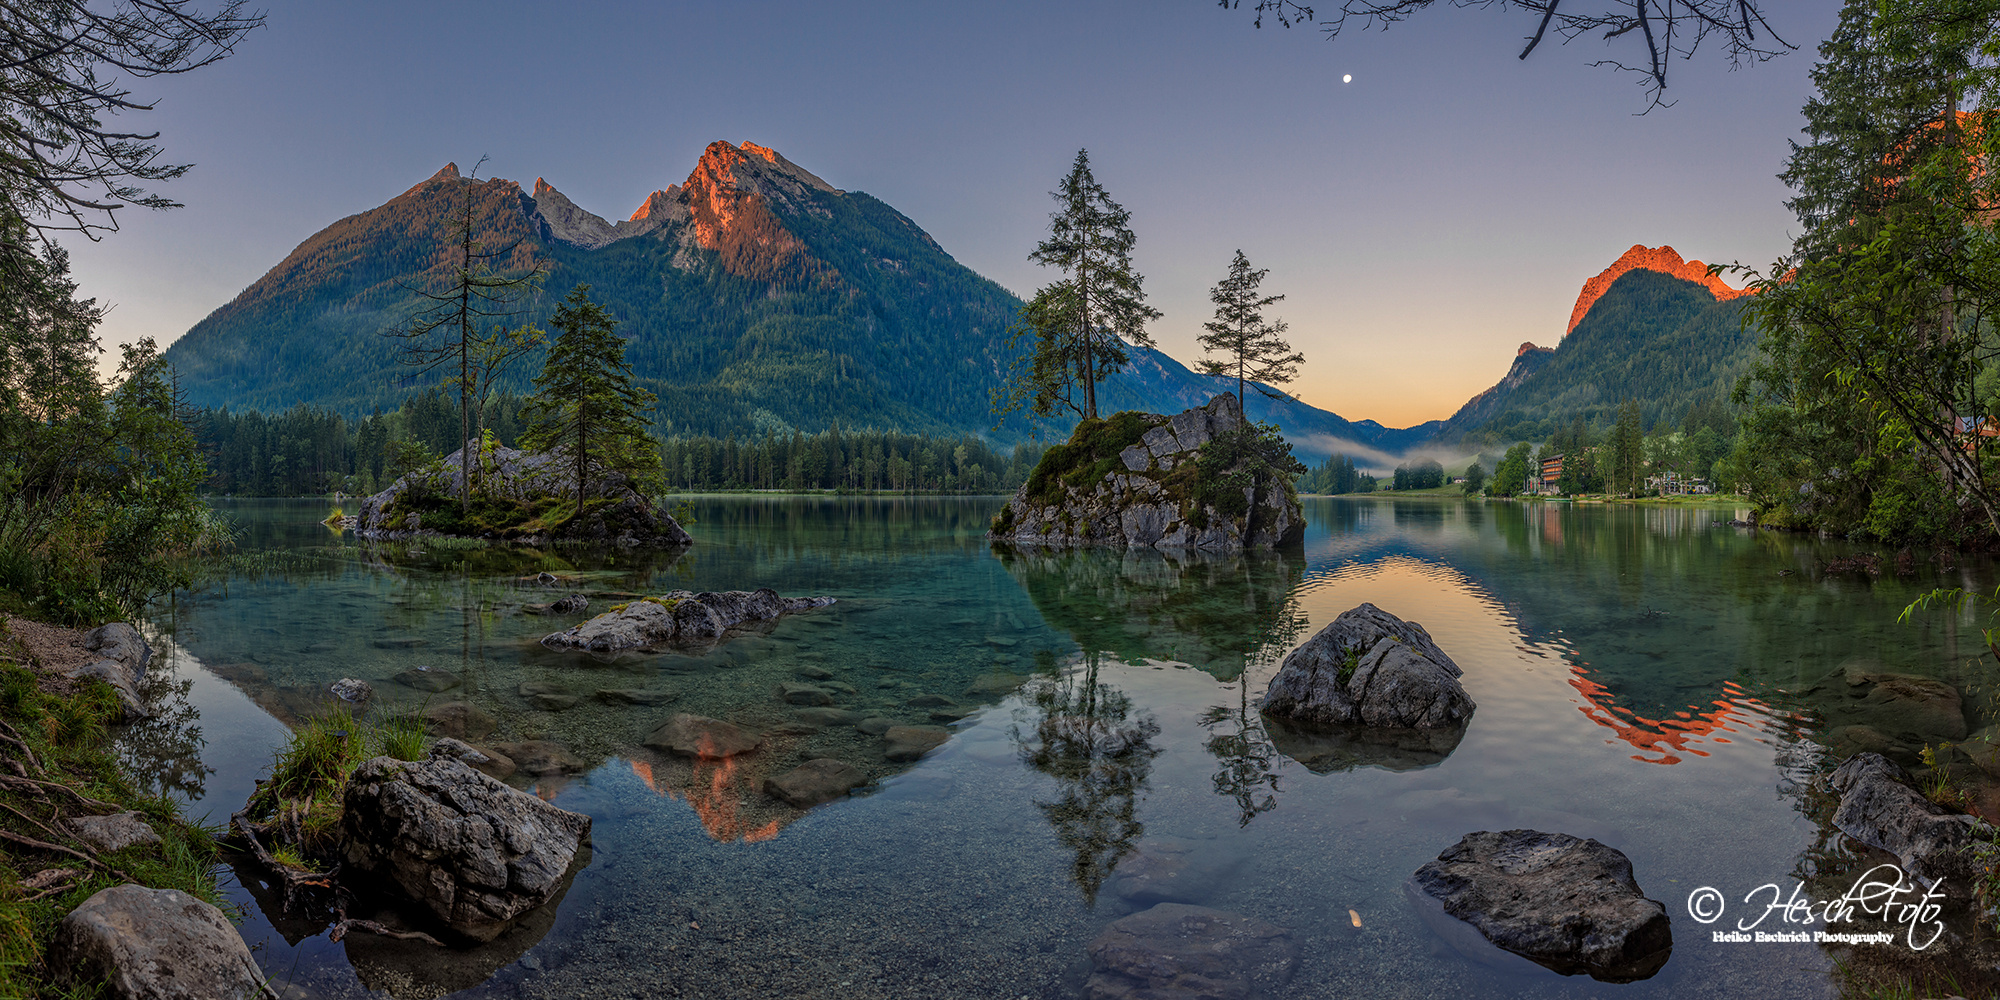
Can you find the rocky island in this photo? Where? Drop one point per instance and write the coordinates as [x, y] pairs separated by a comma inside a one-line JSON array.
[[519, 496], [1204, 478]]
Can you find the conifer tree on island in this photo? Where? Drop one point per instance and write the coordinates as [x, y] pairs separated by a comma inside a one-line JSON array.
[[1250, 347], [585, 400], [450, 335], [1082, 323]]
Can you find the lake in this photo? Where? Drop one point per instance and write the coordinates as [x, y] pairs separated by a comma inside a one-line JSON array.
[[1643, 676]]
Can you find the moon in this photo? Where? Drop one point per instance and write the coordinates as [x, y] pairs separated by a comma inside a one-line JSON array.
[[1346, 78]]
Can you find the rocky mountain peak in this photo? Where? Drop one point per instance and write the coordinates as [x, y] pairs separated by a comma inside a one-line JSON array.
[[1662, 259], [564, 221], [733, 198]]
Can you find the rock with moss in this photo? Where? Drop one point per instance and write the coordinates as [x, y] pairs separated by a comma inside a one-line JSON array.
[[477, 853], [1370, 668], [678, 618], [1201, 479], [519, 496]]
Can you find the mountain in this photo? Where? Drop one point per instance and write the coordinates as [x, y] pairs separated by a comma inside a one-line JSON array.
[[1652, 335], [757, 297], [1662, 259]]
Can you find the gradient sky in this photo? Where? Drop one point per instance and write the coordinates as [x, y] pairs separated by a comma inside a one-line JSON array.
[[1423, 220]]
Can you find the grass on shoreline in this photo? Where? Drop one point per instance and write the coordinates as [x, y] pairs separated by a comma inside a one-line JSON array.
[[54, 744], [1720, 500]]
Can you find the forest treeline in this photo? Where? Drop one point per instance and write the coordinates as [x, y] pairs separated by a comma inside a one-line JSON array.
[[308, 451]]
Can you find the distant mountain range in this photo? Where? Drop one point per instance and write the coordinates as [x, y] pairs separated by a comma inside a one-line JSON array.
[[757, 297]]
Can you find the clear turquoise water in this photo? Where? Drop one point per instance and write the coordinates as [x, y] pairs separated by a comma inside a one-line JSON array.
[[1634, 671]]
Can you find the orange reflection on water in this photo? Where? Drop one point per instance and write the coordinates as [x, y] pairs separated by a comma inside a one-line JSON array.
[[1663, 741], [716, 795]]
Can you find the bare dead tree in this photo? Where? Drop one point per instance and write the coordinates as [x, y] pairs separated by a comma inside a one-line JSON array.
[[1667, 30], [63, 67]]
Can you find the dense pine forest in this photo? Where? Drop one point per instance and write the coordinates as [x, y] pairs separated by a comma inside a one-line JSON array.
[[309, 451]]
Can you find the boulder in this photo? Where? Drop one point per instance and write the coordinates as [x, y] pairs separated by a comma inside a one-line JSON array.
[[571, 605], [352, 691], [476, 852], [135, 943], [701, 737], [1880, 807], [114, 832], [122, 656], [678, 617], [800, 693], [1175, 951], [816, 781], [1373, 668], [1139, 500], [906, 743], [1565, 903]]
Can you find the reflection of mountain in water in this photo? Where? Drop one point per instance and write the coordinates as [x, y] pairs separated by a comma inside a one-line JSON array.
[[1214, 611], [1671, 626]]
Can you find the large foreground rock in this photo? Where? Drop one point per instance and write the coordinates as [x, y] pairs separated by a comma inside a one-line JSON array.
[[478, 853], [1175, 951], [154, 944], [1373, 668], [679, 617], [1565, 903], [122, 656], [1146, 494], [1880, 807]]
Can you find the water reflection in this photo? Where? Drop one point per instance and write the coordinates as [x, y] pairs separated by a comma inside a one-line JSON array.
[[1215, 611], [1248, 774], [1088, 737]]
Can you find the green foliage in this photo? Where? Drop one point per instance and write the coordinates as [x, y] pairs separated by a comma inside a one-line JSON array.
[[1091, 452], [845, 460], [1348, 666], [585, 401], [1422, 474], [1229, 466], [1251, 349], [1512, 472], [1338, 474], [400, 736], [1475, 478], [1081, 324], [1876, 335]]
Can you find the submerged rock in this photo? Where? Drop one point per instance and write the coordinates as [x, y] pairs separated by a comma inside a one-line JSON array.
[[1175, 951], [1902, 708], [486, 761], [1328, 749], [571, 605], [476, 852], [1568, 904], [906, 743], [431, 680], [1373, 668], [1880, 807], [541, 758], [701, 737], [637, 696], [1148, 494], [1172, 870], [462, 719], [816, 781], [679, 617], [352, 691], [137, 943]]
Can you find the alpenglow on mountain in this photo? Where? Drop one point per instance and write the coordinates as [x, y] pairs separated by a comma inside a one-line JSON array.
[[758, 298]]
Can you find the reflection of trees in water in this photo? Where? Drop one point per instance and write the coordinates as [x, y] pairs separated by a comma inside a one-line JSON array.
[[162, 754], [1238, 742], [1100, 752], [1216, 611]]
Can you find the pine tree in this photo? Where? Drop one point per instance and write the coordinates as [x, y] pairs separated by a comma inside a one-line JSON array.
[[448, 335], [1251, 348], [1082, 323], [585, 399]]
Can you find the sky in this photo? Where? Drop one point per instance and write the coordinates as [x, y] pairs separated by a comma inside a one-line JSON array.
[[1423, 220]]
